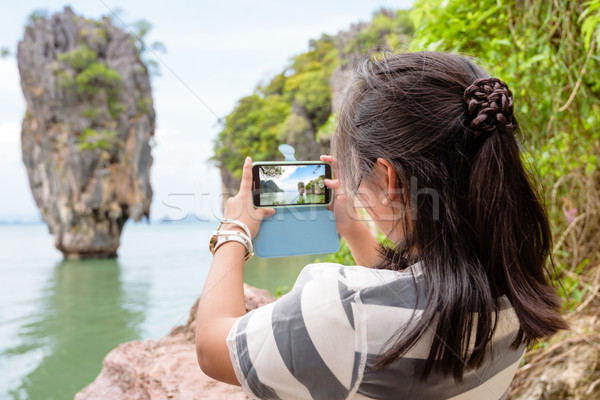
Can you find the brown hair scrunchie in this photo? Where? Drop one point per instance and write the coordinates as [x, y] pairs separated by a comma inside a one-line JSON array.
[[490, 106]]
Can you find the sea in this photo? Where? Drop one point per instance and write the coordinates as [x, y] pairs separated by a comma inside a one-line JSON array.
[[59, 318], [289, 197]]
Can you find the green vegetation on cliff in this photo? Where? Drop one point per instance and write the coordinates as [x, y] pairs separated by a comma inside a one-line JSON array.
[[298, 101], [82, 72]]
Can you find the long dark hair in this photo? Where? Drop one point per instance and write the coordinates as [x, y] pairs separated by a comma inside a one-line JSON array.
[[479, 227]]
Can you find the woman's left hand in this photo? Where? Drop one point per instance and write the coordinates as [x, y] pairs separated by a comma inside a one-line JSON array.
[[241, 207]]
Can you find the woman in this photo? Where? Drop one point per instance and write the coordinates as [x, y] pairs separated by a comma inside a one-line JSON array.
[[427, 142]]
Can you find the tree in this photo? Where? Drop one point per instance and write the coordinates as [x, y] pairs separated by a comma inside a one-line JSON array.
[[271, 171]]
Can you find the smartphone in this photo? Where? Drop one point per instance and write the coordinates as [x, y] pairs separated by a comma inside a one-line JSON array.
[[277, 184]]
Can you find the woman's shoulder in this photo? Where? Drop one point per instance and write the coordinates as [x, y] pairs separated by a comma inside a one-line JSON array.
[[357, 276], [368, 285]]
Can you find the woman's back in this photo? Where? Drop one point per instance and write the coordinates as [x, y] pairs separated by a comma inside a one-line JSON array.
[[321, 340]]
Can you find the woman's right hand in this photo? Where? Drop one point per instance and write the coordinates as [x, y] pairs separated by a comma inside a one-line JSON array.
[[241, 208], [342, 204]]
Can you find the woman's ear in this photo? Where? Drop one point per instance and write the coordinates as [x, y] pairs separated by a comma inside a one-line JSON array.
[[388, 179]]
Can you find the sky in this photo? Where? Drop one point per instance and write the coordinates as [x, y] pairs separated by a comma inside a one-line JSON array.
[[217, 52], [292, 175]]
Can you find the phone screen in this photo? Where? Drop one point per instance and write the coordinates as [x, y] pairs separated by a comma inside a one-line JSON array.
[[291, 184]]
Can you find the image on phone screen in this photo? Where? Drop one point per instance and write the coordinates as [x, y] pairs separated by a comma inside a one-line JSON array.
[[295, 184]]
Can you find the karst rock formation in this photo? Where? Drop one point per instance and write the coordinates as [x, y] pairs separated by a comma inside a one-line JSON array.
[[87, 130]]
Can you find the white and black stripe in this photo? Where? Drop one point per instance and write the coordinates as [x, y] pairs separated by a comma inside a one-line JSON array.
[[320, 341]]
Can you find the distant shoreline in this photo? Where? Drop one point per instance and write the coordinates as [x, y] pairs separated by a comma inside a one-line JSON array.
[[164, 221]]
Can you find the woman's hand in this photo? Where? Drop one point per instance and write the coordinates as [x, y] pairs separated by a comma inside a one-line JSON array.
[[342, 204], [241, 207]]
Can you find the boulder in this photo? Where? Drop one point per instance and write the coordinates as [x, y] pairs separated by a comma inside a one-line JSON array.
[[166, 368]]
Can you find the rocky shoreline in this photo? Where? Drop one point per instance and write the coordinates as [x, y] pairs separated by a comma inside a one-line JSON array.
[[164, 368]]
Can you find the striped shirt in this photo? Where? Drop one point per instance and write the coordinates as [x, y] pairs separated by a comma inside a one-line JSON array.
[[320, 340]]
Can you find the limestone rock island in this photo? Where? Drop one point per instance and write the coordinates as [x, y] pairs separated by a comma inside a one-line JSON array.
[[87, 130]]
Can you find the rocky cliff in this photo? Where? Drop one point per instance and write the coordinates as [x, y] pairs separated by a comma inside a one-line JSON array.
[[165, 368], [269, 186], [299, 106], [86, 132]]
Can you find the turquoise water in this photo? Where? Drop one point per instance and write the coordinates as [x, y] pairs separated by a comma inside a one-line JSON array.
[[290, 198], [58, 319]]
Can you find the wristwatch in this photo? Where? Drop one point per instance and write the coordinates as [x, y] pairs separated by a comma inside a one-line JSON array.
[[219, 237]]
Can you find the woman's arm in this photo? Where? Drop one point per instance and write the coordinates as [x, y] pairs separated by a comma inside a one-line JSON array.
[[221, 302], [361, 241], [222, 299]]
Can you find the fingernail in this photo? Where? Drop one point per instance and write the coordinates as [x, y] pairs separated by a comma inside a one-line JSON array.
[[327, 180], [247, 160]]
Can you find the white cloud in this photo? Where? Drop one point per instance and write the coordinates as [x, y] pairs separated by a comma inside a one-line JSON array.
[[287, 171], [252, 39]]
